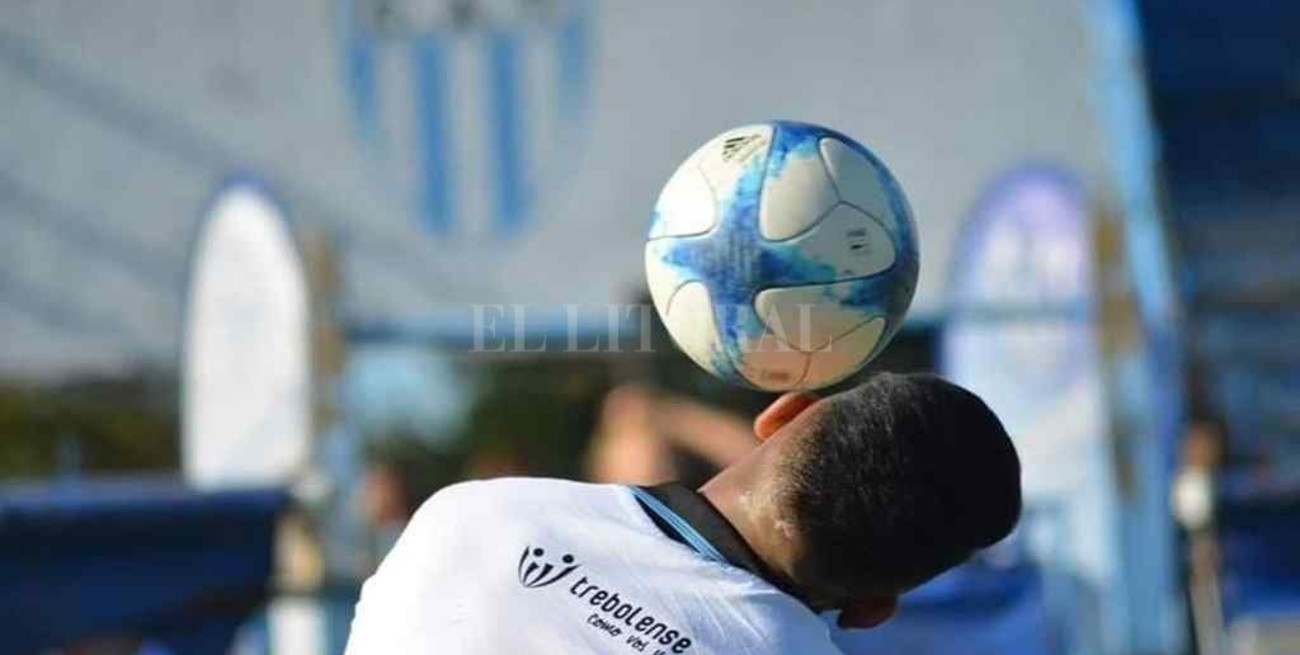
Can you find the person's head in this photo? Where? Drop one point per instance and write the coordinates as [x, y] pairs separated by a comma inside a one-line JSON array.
[[401, 472], [856, 498]]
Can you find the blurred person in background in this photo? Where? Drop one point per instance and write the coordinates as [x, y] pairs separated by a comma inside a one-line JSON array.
[[1202, 455], [645, 435], [497, 460], [401, 471], [654, 425]]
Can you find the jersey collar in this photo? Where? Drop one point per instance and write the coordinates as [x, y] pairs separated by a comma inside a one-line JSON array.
[[686, 516]]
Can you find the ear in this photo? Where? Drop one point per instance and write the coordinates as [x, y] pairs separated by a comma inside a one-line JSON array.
[[782, 411], [868, 612]]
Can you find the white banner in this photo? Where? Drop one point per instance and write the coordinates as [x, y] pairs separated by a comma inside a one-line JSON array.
[[246, 409]]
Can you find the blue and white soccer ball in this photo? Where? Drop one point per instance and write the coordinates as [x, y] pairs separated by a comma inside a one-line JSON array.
[[782, 256]]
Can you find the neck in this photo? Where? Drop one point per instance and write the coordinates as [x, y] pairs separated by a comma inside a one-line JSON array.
[[753, 511]]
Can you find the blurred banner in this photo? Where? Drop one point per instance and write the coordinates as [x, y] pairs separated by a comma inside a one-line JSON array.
[[246, 366], [474, 152], [1023, 336], [246, 371], [1031, 331]]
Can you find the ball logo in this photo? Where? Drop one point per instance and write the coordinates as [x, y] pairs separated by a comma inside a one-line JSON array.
[[536, 571]]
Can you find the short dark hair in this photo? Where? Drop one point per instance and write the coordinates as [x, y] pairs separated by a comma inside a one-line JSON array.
[[900, 479]]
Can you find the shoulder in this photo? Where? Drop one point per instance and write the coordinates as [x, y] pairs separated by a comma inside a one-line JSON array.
[[499, 509], [788, 625], [511, 495]]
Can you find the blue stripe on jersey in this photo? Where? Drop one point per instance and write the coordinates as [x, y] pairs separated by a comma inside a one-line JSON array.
[[690, 534]]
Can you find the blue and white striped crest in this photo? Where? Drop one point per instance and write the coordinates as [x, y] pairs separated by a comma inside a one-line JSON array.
[[468, 107]]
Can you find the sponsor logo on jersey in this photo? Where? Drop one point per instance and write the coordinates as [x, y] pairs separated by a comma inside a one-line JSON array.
[[612, 613], [535, 571]]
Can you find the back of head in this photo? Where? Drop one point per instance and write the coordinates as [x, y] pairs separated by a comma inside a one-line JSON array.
[[899, 479]]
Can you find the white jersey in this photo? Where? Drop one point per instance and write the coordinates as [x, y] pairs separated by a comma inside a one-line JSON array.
[[532, 566]]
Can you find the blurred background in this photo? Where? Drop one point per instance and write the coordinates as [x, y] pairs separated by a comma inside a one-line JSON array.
[[273, 272]]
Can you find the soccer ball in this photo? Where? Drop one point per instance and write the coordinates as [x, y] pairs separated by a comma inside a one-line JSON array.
[[782, 256]]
